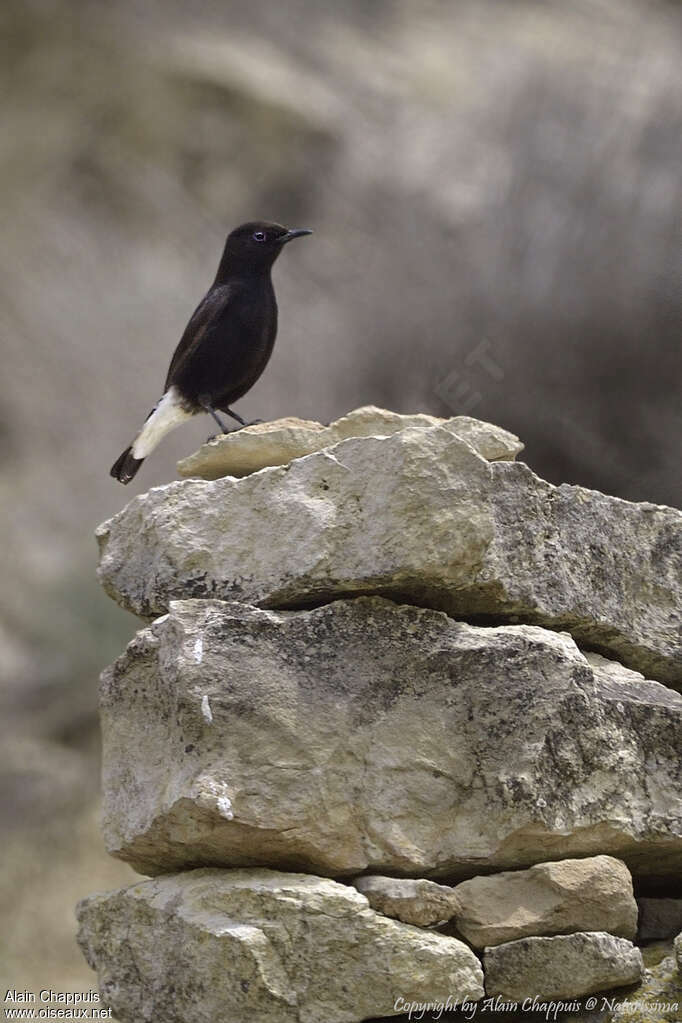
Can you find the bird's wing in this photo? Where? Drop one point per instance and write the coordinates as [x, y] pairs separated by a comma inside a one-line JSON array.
[[203, 319]]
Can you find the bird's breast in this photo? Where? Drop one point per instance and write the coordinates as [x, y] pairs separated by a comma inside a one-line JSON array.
[[234, 351]]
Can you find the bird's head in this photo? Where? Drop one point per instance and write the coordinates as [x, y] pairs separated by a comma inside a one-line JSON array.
[[259, 242]]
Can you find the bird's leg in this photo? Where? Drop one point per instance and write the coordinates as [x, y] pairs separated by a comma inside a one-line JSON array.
[[235, 416], [251, 422], [207, 407]]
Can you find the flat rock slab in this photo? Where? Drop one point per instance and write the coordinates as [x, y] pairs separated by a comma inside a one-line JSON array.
[[258, 946], [418, 516], [412, 900], [566, 966], [364, 736], [277, 443], [591, 894]]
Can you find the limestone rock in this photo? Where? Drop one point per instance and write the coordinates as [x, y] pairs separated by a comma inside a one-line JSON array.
[[257, 946], [277, 443], [657, 998], [565, 966], [677, 944], [421, 517], [550, 898], [363, 736], [412, 900], [659, 918]]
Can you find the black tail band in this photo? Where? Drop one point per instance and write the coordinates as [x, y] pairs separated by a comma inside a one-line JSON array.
[[125, 466]]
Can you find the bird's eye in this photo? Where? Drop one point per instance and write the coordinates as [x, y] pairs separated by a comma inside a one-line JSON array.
[[259, 236]]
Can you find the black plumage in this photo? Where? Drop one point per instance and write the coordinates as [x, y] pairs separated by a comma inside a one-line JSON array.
[[226, 344]]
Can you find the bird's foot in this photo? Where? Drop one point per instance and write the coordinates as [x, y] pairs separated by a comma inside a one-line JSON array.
[[215, 436], [236, 429]]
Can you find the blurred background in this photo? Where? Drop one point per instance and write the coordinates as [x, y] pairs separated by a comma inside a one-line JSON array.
[[495, 191]]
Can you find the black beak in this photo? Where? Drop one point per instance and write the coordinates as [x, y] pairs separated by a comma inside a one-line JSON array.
[[296, 232]]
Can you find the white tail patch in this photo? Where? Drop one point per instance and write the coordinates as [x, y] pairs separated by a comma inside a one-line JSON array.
[[168, 414]]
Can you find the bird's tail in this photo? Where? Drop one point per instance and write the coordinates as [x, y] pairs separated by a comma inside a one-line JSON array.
[[165, 416], [125, 466]]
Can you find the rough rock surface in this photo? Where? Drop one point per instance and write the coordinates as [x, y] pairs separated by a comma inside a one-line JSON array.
[[279, 442], [565, 966], [421, 517], [272, 947], [592, 894], [412, 900], [366, 736], [657, 998], [678, 952], [659, 919]]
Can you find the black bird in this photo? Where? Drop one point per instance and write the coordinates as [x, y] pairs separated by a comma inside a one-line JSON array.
[[226, 344]]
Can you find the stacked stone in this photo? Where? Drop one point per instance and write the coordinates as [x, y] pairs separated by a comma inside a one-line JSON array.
[[404, 715]]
